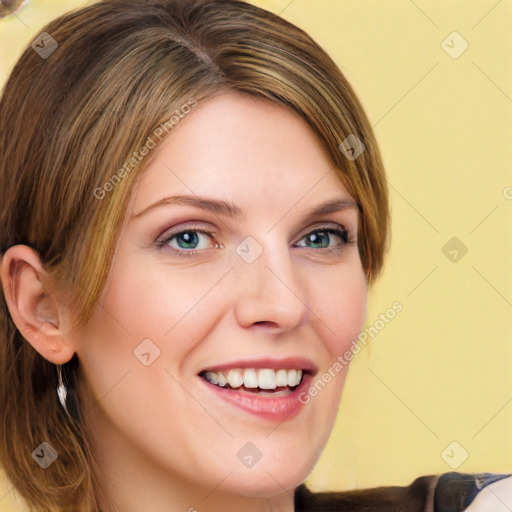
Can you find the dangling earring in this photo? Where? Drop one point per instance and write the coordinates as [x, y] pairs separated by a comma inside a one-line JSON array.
[[62, 391]]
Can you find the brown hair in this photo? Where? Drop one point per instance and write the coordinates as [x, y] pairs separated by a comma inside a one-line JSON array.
[[71, 120]]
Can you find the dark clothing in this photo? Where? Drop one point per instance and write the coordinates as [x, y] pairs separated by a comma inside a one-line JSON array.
[[448, 492]]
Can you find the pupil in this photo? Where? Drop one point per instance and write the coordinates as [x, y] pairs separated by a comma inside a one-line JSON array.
[[189, 237], [315, 236]]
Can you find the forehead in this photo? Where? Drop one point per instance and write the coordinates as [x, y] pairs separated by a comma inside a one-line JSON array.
[[240, 149]]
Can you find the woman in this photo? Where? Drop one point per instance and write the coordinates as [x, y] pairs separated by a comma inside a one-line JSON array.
[[194, 205]]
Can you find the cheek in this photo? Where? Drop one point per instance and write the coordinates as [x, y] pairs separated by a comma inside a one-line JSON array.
[[162, 304], [340, 302]]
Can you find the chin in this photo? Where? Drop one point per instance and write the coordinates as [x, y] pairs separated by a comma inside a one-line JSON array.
[[270, 478], [263, 484]]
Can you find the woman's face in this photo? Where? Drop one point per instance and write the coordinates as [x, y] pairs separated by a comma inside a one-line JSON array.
[[254, 298]]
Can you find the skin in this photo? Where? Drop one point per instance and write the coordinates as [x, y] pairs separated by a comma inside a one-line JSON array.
[[160, 435], [496, 497]]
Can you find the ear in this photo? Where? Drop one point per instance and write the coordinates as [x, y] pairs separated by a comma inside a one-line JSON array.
[[33, 304]]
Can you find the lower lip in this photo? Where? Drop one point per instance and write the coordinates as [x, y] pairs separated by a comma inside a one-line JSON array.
[[279, 408]]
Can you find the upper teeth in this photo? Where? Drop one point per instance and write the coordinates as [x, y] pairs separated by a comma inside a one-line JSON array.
[[265, 378]]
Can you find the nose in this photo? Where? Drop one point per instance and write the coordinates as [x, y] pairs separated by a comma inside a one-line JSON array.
[[268, 292]]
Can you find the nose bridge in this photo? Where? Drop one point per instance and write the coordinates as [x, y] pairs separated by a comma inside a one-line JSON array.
[[268, 286]]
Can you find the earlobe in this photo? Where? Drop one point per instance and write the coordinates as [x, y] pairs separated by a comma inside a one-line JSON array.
[[33, 305]]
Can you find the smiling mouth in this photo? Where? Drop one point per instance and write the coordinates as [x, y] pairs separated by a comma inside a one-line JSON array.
[[256, 380]]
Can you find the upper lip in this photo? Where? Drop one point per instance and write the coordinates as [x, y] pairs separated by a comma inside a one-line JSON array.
[[288, 363]]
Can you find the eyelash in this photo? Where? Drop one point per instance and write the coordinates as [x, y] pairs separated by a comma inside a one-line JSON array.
[[342, 233]]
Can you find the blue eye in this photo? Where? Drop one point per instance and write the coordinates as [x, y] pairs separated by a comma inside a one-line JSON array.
[[191, 241], [188, 238], [323, 236]]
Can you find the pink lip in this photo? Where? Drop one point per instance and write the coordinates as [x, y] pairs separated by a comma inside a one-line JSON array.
[[275, 409]]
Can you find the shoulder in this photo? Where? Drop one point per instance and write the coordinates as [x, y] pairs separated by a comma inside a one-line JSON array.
[[448, 492], [458, 491], [495, 496]]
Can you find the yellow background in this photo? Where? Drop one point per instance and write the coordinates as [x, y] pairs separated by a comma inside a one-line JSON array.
[[440, 371]]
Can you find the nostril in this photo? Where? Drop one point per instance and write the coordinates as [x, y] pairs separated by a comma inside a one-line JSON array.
[[265, 324]]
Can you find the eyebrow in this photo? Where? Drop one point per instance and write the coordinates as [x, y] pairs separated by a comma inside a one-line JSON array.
[[229, 209]]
